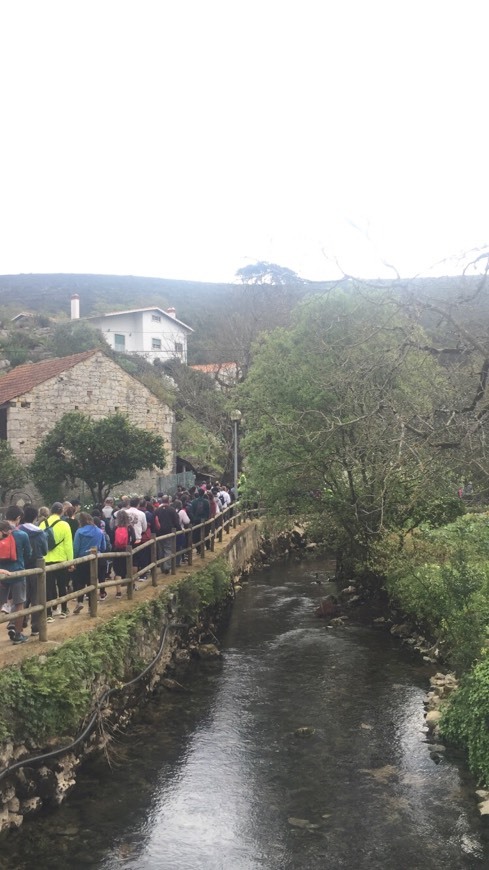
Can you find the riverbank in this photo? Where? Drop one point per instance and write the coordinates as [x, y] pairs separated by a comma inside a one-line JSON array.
[[300, 746], [49, 691]]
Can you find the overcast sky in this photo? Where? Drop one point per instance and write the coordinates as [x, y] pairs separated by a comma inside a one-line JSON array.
[[186, 138]]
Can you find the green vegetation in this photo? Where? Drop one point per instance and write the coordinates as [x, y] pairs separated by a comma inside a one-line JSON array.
[[203, 428], [102, 453], [12, 473], [327, 406], [207, 588], [50, 696], [465, 719], [440, 579]]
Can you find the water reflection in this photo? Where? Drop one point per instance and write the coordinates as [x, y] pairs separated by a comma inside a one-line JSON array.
[[220, 778]]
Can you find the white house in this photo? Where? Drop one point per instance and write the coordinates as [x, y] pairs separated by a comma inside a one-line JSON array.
[[151, 332]]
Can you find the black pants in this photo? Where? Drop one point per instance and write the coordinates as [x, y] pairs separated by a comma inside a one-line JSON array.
[[32, 599], [57, 584], [81, 578]]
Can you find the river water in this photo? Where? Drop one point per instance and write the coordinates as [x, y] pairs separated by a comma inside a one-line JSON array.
[[217, 778]]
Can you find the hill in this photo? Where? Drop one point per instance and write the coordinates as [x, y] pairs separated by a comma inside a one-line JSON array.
[[220, 314]]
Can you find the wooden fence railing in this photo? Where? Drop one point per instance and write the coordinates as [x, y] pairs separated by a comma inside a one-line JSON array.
[[198, 537]]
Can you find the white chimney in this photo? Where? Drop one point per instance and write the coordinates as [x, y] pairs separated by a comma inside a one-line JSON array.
[[75, 307], [172, 312]]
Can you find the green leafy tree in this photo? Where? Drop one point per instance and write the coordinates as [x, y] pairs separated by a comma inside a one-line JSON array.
[[12, 473], [203, 427], [263, 272], [327, 407], [76, 336], [103, 453]]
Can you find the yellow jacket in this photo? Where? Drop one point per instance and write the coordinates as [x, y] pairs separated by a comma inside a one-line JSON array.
[[63, 551]]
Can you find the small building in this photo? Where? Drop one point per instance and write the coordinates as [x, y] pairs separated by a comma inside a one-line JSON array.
[[150, 332], [33, 397]]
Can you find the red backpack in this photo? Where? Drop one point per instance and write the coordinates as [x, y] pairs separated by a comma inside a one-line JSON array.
[[121, 538], [8, 550]]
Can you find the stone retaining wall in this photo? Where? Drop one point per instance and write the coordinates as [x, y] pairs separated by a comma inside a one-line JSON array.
[[48, 782]]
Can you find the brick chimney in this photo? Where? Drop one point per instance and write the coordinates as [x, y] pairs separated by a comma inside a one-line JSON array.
[[75, 306], [172, 312]]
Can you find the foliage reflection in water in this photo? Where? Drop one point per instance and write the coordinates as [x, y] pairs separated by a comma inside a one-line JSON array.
[[219, 777]]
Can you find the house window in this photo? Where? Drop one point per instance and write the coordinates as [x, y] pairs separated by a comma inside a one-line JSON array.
[[156, 344], [156, 318], [3, 424], [119, 341], [178, 347]]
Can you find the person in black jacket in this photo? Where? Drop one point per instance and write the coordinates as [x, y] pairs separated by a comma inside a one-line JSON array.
[[39, 546], [168, 522], [199, 511]]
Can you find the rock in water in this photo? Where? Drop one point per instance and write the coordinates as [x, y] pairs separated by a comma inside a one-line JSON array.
[[304, 731], [207, 651]]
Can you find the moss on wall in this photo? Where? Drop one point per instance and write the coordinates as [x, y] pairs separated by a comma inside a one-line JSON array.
[[50, 695]]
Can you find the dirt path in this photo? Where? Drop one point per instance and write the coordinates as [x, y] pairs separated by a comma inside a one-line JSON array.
[[62, 629]]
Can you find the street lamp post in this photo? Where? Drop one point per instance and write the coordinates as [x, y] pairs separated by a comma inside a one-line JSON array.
[[235, 418]]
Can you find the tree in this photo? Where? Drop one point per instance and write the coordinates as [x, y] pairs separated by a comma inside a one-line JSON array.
[[329, 408], [263, 272], [103, 453], [12, 473], [76, 336], [203, 427]]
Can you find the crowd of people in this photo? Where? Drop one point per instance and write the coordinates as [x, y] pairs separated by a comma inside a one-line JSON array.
[[65, 532]]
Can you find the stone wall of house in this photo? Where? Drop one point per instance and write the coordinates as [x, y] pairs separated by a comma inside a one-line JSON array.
[[98, 387]]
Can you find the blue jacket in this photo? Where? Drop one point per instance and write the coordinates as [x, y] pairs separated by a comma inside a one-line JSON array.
[[24, 553], [38, 541], [87, 537]]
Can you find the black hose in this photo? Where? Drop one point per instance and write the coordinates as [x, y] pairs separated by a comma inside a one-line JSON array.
[[28, 762]]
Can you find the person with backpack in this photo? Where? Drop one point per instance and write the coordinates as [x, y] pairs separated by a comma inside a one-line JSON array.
[[103, 564], [61, 551], [168, 522], [68, 516], [15, 551], [151, 528], [39, 546], [124, 537], [184, 521], [199, 508], [199, 511], [87, 537]]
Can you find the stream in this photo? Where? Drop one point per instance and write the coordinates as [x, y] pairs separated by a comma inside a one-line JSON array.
[[217, 778]]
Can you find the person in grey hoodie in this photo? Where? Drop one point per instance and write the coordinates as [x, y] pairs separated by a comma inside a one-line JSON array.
[[87, 537], [39, 546]]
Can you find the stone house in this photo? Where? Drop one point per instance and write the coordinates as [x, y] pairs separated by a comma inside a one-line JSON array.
[[33, 397]]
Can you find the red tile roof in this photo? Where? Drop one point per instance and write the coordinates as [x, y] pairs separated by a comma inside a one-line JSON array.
[[23, 378], [215, 368]]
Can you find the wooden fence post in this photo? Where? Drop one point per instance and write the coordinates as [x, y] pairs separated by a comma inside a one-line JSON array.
[[173, 560], [41, 599], [154, 569], [129, 573], [189, 544], [213, 533], [93, 596], [202, 540]]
